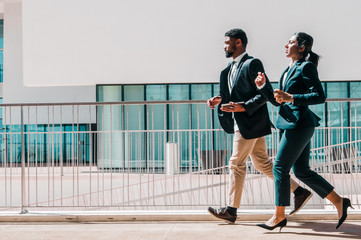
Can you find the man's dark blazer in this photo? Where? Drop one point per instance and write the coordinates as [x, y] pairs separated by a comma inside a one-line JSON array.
[[303, 83], [254, 122]]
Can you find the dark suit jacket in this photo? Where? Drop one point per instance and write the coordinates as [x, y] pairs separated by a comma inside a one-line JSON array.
[[255, 121], [302, 81]]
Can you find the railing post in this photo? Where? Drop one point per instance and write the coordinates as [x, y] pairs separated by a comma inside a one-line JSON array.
[[23, 210]]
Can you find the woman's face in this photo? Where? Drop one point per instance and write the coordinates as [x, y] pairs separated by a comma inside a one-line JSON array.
[[292, 50]]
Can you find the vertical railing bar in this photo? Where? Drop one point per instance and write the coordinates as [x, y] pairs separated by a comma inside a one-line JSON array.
[[129, 156], [190, 154], [61, 155], [90, 155], [72, 152], [78, 155], [208, 146], [123, 155], [162, 142], [36, 157], [5, 157], [52, 153], [28, 165], [140, 153], [23, 197], [148, 150], [179, 143], [199, 147], [47, 153], [11, 156], [111, 154], [102, 155]]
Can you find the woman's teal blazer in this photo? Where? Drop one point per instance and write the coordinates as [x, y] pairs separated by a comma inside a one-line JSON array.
[[303, 83]]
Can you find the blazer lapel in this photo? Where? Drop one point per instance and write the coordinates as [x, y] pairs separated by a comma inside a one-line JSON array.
[[292, 71], [289, 75], [280, 83], [245, 57]]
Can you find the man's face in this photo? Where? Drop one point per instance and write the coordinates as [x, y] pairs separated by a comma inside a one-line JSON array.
[[229, 46]]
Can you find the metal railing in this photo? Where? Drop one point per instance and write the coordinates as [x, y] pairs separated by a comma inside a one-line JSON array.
[[152, 155]]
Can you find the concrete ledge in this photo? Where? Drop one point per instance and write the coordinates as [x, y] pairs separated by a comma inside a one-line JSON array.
[[114, 216]]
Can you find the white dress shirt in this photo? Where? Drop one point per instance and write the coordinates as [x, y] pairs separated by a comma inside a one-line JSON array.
[[231, 80]]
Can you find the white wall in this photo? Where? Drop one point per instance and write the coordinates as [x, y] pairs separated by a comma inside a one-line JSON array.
[[14, 89], [86, 42]]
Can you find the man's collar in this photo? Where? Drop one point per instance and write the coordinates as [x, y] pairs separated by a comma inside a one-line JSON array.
[[239, 58]]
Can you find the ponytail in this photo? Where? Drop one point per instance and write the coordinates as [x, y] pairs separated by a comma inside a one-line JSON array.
[[313, 57], [303, 39]]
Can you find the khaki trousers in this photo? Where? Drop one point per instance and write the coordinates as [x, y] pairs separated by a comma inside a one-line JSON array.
[[242, 149]]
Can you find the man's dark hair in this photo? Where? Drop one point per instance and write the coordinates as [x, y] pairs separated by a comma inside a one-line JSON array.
[[237, 33]]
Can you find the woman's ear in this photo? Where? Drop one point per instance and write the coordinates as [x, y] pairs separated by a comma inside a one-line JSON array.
[[301, 49]]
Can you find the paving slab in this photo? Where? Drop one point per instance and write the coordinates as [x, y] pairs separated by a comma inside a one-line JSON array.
[[174, 230]]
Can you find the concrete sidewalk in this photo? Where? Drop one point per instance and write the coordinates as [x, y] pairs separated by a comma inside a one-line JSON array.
[[159, 230]]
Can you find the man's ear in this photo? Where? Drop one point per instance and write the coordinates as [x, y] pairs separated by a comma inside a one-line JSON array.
[[239, 42]]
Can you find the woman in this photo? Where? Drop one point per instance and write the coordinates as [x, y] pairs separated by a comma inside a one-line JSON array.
[[299, 87]]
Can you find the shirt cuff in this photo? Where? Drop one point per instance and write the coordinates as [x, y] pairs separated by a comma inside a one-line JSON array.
[[262, 86]]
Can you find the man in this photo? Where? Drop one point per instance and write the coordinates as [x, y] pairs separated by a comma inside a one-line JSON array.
[[246, 115]]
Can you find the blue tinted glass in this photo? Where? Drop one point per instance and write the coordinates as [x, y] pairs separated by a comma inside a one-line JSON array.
[[178, 92], [133, 93], [111, 93], [201, 91], [179, 117], [156, 92], [336, 90], [355, 89], [156, 113]]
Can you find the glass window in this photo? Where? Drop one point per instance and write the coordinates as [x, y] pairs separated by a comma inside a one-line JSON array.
[[178, 92], [133, 92], [355, 92], [355, 89], [201, 114], [156, 113], [109, 93], [156, 92], [214, 112], [179, 117], [336, 90], [134, 114], [156, 120], [337, 111]]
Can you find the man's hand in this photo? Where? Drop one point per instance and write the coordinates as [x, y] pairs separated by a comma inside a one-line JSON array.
[[233, 108], [282, 96], [260, 79], [214, 101]]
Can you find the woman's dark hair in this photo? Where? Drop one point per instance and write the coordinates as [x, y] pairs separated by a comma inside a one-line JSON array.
[[303, 39], [238, 33]]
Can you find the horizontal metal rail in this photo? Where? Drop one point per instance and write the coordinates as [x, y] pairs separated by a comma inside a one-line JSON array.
[[153, 155]]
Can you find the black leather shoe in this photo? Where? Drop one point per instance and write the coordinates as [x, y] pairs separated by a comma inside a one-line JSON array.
[[281, 224], [345, 204], [223, 214], [301, 201]]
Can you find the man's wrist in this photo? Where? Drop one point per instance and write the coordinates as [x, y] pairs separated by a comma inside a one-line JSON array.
[[219, 96]]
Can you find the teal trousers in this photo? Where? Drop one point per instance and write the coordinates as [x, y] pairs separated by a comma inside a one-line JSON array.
[[294, 152]]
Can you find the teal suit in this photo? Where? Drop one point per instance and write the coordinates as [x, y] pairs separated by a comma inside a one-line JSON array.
[[297, 124]]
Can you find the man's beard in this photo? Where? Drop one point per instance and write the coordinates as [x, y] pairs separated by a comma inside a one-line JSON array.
[[228, 54]]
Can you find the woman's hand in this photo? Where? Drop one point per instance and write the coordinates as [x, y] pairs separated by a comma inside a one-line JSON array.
[[233, 108], [282, 96], [260, 79]]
